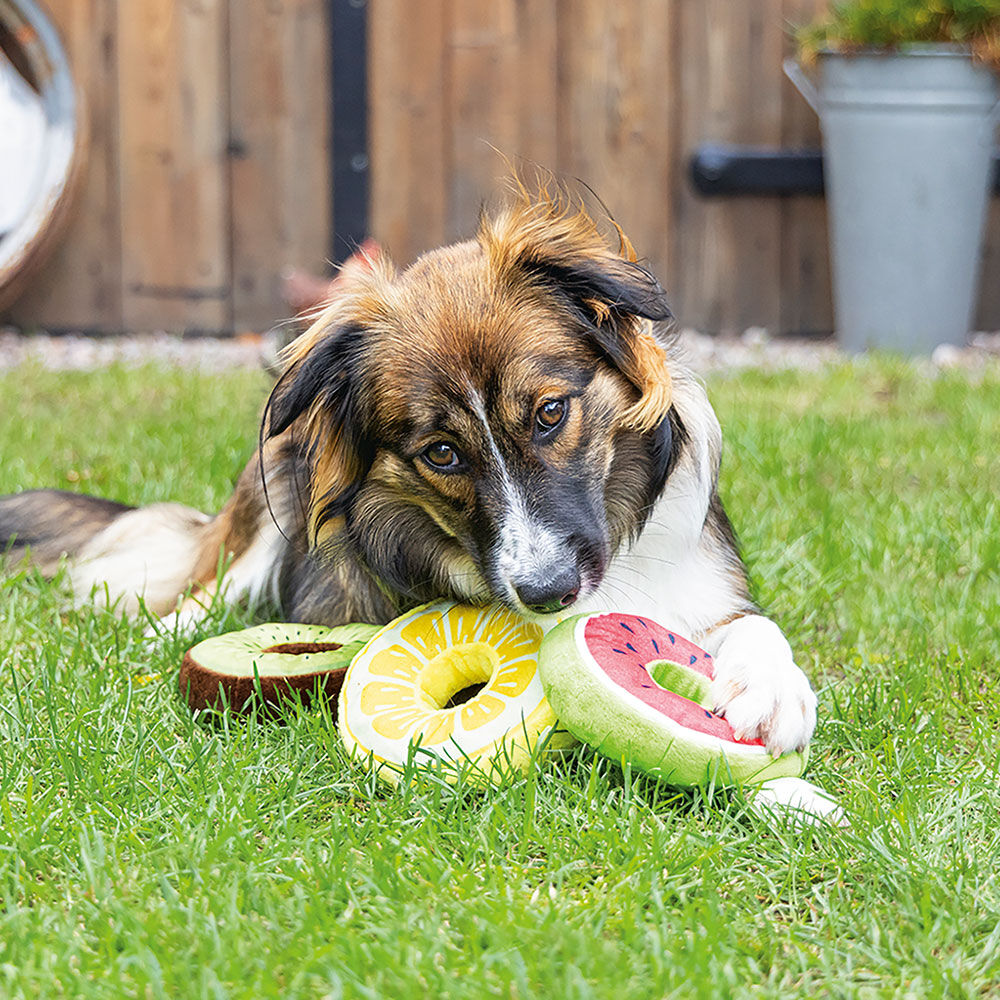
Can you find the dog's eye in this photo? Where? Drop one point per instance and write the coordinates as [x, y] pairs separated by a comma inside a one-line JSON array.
[[551, 414], [441, 455]]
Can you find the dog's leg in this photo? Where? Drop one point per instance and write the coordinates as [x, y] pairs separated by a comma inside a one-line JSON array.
[[147, 554], [701, 590], [242, 551], [251, 577], [150, 557]]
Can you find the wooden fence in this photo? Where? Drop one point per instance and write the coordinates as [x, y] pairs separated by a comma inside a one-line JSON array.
[[209, 160], [207, 167]]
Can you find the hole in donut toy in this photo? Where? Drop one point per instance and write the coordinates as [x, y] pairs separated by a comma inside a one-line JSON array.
[[680, 680], [465, 695], [457, 674], [301, 648]]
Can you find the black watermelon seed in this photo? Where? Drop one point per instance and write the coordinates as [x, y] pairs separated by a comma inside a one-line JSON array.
[[694, 659], [629, 645], [657, 648], [707, 712], [622, 651], [670, 636], [624, 626], [643, 622]]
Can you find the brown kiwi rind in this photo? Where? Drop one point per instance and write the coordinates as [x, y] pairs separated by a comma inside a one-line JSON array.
[[286, 661]]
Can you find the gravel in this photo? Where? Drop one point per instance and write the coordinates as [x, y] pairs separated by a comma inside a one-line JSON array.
[[74, 352], [754, 349]]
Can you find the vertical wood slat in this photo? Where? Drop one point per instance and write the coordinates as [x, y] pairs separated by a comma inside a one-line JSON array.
[[502, 99], [537, 50], [483, 105], [79, 286], [279, 146], [407, 88], [617, 127], [174, 183], [729, 254]]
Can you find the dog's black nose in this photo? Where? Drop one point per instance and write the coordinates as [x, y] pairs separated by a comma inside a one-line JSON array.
[[553, 595]]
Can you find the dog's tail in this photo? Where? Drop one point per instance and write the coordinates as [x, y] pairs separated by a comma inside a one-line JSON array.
[[152, 553]]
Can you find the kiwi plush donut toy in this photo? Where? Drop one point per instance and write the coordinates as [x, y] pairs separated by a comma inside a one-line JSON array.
[[284, 659], [637, 691], [449, 684]]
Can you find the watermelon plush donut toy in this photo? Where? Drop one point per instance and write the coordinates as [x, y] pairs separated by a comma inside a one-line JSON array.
[[282, 659], [447, 684], [637, 691]]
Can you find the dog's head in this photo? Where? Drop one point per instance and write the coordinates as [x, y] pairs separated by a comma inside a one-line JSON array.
[[492, 422]]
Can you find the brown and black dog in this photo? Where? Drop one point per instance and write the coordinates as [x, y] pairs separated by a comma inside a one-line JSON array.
[[504, 421]]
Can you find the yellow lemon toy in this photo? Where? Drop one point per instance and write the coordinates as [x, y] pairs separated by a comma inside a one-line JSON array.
[[450, 686]]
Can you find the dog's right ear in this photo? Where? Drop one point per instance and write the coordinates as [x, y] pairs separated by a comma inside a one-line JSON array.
[[317, 400], [548, 237]]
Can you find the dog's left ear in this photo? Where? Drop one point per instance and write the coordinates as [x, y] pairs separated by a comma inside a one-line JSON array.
[[554, 241]]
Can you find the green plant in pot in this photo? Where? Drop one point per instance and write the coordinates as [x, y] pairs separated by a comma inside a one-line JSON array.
[[908, 97]]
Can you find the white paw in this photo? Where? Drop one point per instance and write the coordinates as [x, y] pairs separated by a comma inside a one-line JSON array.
[[758, 687], [799, 802]]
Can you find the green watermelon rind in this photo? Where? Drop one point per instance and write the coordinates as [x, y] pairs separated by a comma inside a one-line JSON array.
[[621, 726]]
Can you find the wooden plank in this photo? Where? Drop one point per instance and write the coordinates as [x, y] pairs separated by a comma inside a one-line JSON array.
[[806, 292], [730, 85], [279, 150], [483, 105], [616, 114], [79, 286], [408, 74], [503, 93], [175, 206], [537, 76]]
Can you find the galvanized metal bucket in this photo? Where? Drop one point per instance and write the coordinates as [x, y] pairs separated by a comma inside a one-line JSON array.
[[907, 141]]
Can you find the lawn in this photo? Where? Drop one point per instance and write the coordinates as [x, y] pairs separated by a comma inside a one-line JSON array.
[[145, 854]]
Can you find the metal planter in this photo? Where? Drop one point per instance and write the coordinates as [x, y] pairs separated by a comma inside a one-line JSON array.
[[907, 141]]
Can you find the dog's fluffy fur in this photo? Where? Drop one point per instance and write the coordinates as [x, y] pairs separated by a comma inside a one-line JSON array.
[[503, 421]]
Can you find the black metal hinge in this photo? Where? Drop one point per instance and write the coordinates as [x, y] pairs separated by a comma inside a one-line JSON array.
[[718, 170]]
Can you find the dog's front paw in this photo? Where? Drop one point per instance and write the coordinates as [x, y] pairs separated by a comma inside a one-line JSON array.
[[759, 689]]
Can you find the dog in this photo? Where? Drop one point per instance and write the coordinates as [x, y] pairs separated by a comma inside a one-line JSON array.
[[506, 420]]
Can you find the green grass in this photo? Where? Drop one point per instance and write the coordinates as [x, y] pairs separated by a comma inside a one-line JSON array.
[[143, 854]]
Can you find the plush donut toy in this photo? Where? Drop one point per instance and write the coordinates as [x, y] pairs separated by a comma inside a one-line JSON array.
[[283, 658], [447, 684], [636, 691]]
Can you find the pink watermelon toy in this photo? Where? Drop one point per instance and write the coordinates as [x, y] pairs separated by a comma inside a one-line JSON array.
[[636, 691]]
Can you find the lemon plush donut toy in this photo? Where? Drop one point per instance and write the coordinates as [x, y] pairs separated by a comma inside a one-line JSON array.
[[402, 698]]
